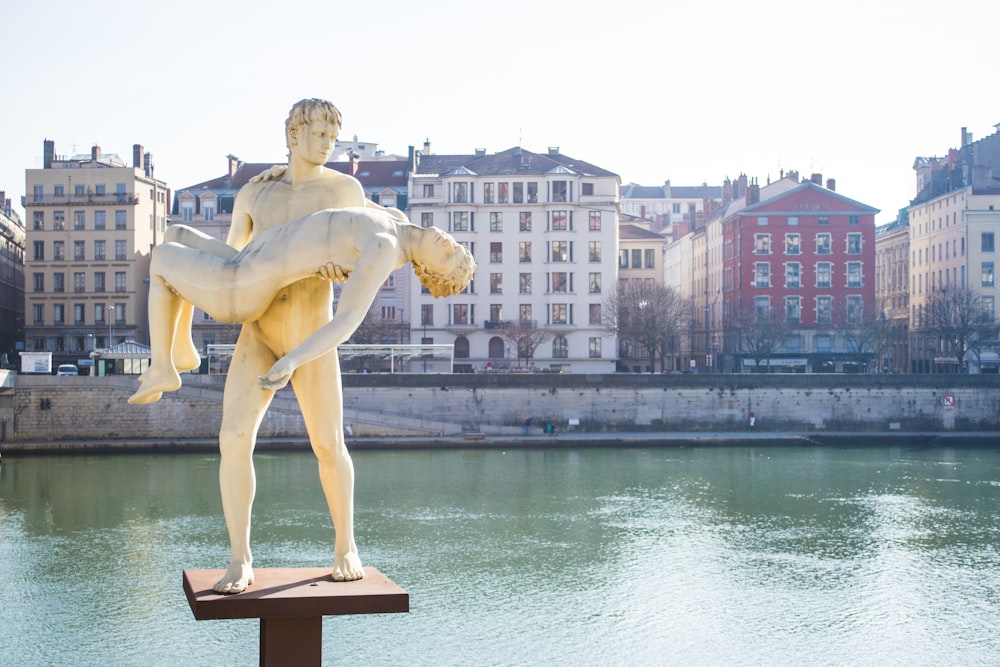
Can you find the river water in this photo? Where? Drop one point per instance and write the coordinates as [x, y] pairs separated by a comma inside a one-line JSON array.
[[686, 556]]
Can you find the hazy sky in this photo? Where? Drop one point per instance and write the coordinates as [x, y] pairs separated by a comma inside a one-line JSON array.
[[651, 90]]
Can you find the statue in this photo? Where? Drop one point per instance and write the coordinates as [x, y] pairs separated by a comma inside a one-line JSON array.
[[275, 277]]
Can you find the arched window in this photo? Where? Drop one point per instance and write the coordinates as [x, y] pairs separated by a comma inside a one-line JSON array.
[[560, 347], [461, 347], [496, 348]]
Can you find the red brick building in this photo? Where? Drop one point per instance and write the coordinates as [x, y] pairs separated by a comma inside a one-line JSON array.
[[800, 257]]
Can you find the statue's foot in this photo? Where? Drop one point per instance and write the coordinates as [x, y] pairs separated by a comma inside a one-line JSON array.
[[347, 567], [186, 357], [153, 384], [236, 579]]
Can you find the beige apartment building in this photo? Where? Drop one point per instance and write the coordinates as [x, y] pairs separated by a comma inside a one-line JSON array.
[[91, 221], [892, 291]]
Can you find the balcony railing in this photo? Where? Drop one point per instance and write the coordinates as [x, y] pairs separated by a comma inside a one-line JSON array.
[[89, 199]]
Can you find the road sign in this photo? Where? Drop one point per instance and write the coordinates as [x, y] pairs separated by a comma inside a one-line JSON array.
[[948, 400]]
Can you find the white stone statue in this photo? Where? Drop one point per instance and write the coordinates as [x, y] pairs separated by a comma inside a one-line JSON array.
[[275, 277]]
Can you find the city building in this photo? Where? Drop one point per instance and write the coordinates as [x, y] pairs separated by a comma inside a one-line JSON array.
[[954, 222], [780, 276], [208, 207], [92, 220], [11, 281], [892, 290], [672, 208], [543, 228]]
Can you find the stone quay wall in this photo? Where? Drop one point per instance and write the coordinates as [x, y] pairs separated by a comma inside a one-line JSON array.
[[44, 408]]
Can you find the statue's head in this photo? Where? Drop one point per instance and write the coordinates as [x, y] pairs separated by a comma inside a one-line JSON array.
[[442, 265], [308, 111]]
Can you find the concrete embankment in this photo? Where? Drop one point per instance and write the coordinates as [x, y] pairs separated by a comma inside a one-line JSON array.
[[404, 410]]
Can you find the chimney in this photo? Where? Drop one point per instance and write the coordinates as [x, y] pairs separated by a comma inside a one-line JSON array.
[[642, 211], [234, 164], [793, 174], [354, 163], [741, 187], [95, 152], [553, 150], [727, 191], [480, 152], [966, 137], [427, 147], [147, 164], [753, 193], [817, 179], [666, 188], [137, 156], [831, 184], [48, 153]]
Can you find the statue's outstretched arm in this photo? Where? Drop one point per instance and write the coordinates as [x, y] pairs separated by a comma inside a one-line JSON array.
[[378, 259]]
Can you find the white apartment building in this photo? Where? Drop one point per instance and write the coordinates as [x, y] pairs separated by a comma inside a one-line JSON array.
[[91, 222], [543, 229]]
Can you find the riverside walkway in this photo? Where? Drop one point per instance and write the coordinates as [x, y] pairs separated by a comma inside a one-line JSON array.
[[562, 440]]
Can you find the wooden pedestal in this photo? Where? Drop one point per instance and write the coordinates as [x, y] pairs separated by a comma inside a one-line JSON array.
[[291, 604]]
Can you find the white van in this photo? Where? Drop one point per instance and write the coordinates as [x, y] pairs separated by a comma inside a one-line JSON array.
[[67, 369]]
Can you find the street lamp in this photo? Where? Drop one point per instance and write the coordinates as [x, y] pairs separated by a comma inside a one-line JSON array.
[[111, 310]]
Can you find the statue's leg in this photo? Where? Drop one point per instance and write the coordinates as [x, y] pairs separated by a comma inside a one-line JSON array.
[[243, 407], [185, 352], [161, 376], [318, 390]]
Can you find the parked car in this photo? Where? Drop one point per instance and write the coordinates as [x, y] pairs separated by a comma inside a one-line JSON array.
[[67, 369]]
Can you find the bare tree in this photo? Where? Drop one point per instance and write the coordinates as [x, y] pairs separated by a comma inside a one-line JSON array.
[[373, 329], [959, 319], [761, 331], [525, 336], [649, 315], [867, 334]]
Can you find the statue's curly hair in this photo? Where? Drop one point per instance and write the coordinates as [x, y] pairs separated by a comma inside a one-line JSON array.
[[305, 111], [439, 284]]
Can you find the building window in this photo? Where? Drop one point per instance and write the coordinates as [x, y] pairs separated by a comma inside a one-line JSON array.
[[623, 259], [762, 244], [560, 347], [854, 219], [518, 193], [100, 220], [524, 251], [532, 192], [587, 189], [854, 274], [487, 193], [524, 312], [823, 245], [762, 307], [560, 251], [988, 242], [496, 252], [636, 258], [428, 190], [560, 191], [58, 282], [208, 212], [793, 275], [38, 218], [989, 308], [460, 221], [460, 313], [187, 211], [525, 221], [39, 282], [59, 190], [120, 250], [762, 221], [427, 314], [79, 190], [560, 282], [823, 220], [59, 251], [496, 283], [460, 193], [793, 309], [854, 244], [594, 346], [59, 220], [594, 248], [987, 274], [762, 274], [79, 281], [120, 219], [79, 250], [39, 247], [496, 221], [594, 220], [426, 219], [119, 281], [595, 314], [524, 283], [650, 258], [99, 281], [558, 221], [99, 250], [38, 311], [793, 221], [793, 244], [99, 313], [824, 309], [595, 283], [58, 313], [854, 309], [78, 315], [559, 313], [823, 274]]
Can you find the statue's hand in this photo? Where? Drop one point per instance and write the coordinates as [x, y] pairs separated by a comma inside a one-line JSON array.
[[333, 273], [278, 376], [272, 174]]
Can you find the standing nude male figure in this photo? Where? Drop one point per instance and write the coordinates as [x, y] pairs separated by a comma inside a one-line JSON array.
[[298, 310]]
